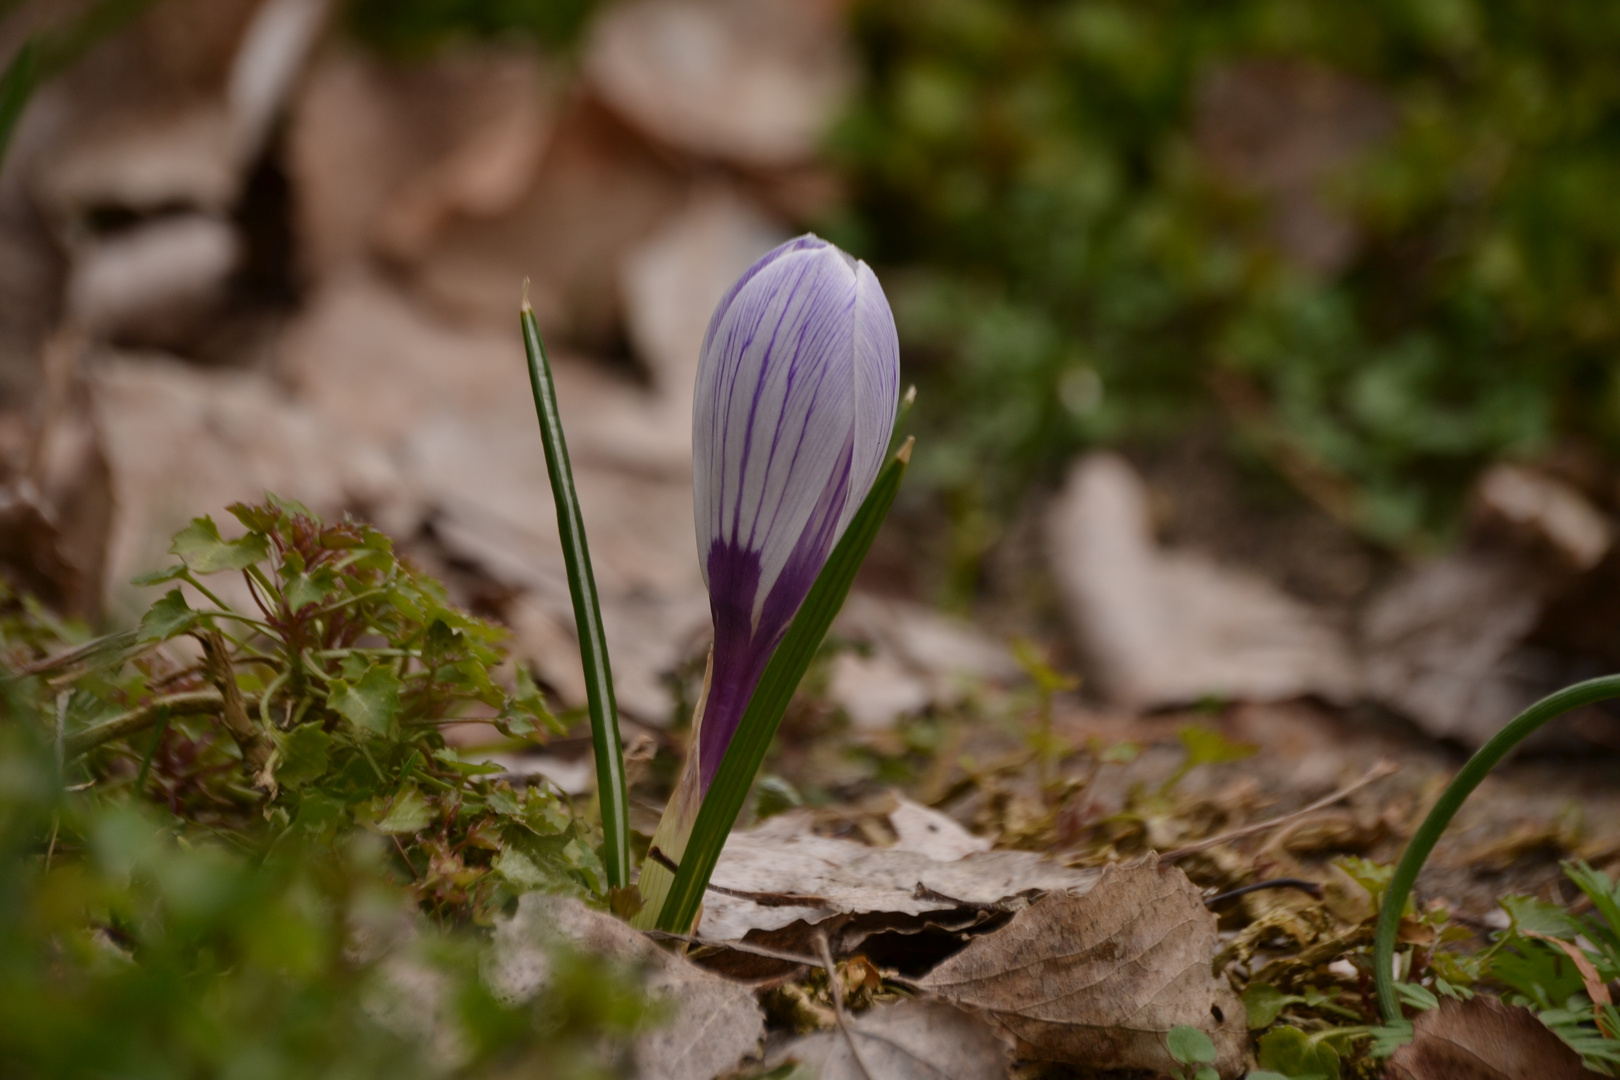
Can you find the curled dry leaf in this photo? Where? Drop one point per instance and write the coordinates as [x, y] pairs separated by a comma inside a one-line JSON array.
[[782, 874], [1483, 1039], [716, 1022], [913, 1040], [1100, 979]]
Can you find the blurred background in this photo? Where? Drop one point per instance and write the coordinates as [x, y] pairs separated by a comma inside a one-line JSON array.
[[1265, 349]]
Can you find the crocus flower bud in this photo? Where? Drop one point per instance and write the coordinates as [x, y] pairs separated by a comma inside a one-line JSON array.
[[796, 392], [795, 402]]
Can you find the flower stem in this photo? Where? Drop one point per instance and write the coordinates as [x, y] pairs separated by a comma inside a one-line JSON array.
[[1428, 834], [604, 710]]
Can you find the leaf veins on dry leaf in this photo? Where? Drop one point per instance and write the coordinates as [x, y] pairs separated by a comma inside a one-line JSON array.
[[1100, 979], [1483, 1039]]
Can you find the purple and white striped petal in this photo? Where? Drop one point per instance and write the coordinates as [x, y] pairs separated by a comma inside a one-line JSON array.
[[794, 406]]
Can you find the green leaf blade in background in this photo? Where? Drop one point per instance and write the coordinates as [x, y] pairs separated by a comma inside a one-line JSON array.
[[16, 86], [776, 687]]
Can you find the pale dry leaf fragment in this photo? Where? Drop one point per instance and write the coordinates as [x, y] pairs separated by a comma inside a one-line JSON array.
[[598, 194], [1444, 643], [1541, 510], [913, 1040], [1100, 979], [875, 691], [918, 657], [182, 442], [1483, 1039], [672, 281], [152, 281], [751, 81], [716, 1022], [1167, 627], [386, 157], [929, 832]]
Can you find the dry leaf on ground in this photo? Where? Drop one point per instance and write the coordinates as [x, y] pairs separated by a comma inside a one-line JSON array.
[[183, 442], [716, 1023], [1483, 1039], [600, 192], [384, 157], [744, 80], [1100, 979], [792, 876], [1172, 627], [1445, 644], [913, 1040], [1462, 643], [917, 657], [673, 280]]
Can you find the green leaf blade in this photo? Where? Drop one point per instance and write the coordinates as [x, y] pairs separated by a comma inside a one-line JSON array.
[[612, 790]]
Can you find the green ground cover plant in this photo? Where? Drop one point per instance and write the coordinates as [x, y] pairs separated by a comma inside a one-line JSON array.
[[203, 820]]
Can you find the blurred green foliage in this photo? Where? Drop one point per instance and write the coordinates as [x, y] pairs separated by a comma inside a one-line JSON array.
[[234, 843], [1071, 268], [416, 27]]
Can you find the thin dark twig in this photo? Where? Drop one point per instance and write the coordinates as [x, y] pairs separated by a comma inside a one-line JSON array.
[[1377, 772], [189, 703], [1301, 884], [838, 1003], [255, 746], [253, 590], [734, 946], [48, 664]]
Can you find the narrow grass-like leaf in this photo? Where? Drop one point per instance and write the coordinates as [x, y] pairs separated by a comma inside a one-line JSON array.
[[776, 686], [16, 84], [44, 55], [1462, 785], [604, 709]]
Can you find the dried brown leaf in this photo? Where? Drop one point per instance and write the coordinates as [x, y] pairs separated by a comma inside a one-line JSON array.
[[1100, 979], [1483, 1039], [913, 1040]]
